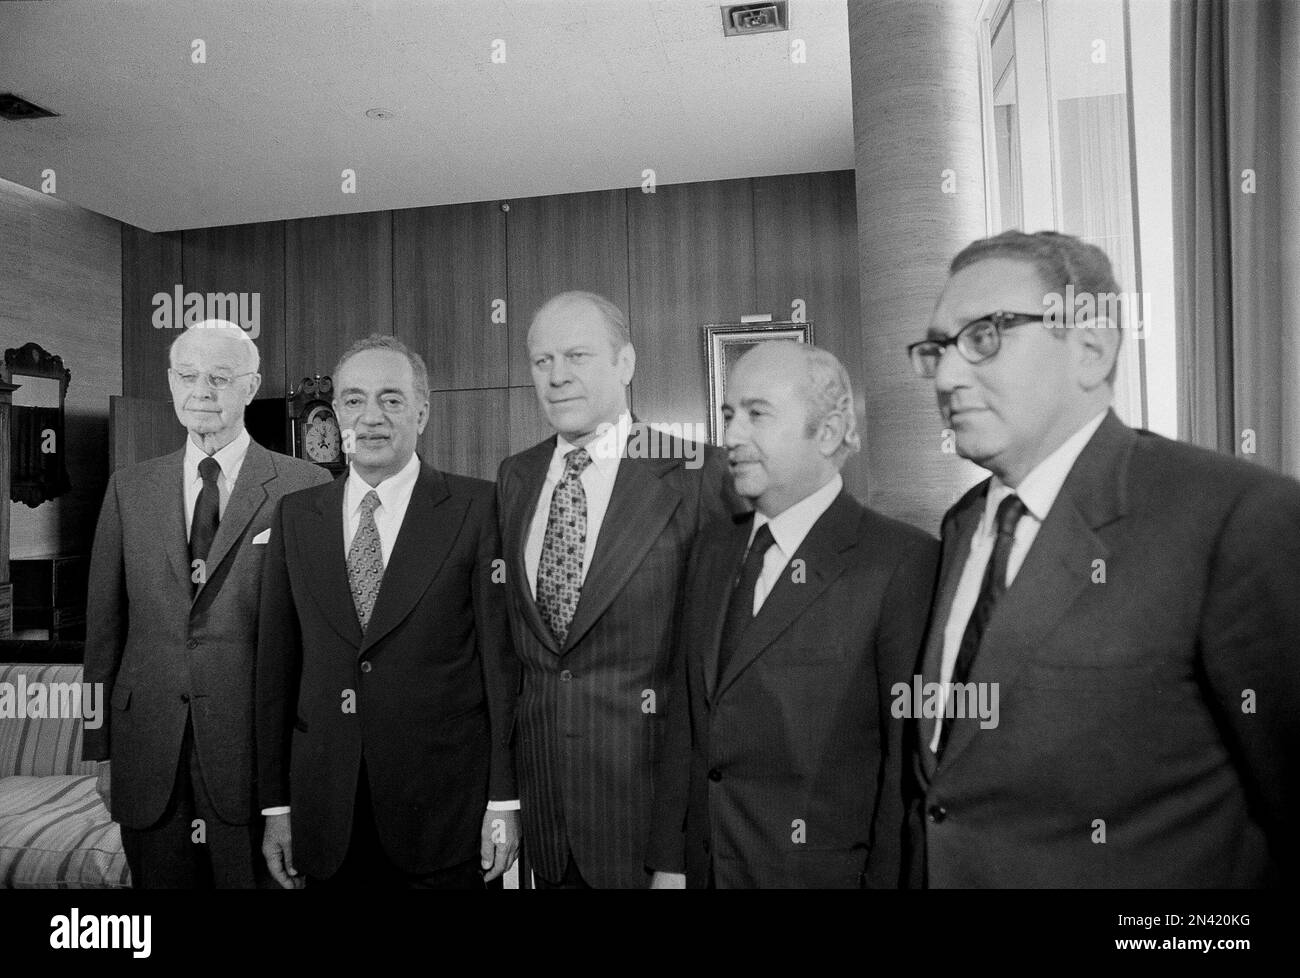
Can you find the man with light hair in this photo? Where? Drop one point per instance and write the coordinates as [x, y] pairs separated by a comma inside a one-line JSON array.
[[172, 625], [783, 762], [596, 540]]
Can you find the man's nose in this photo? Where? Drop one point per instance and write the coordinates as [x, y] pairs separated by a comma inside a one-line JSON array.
[[735, 432], [561, 373], [952, 371]]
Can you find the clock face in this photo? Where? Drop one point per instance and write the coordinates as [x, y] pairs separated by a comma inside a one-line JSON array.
[[320, 438]]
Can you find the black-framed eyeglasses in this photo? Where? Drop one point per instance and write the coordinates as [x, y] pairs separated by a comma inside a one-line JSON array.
[[977, 341]]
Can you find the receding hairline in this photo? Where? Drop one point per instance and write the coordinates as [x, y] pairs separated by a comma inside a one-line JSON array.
[[611, 316], [219, 329]]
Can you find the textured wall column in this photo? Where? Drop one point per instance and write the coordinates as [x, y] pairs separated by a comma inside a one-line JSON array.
[[920, 188]]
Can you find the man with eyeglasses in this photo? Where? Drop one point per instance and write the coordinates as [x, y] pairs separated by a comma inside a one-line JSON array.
[[172, 614], [1131, 599]]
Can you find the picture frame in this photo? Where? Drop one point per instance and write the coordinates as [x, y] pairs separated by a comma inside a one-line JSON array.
[[724, 343]]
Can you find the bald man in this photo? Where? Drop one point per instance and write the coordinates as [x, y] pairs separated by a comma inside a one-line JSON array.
[[784, 757], [172, 625]]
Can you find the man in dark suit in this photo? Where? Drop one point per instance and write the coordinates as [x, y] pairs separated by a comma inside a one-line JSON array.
[[597, 524], [1131, 599], [784, 759], [385, 678], [174, 584]]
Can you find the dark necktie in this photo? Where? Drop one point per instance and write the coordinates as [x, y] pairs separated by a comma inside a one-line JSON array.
[[207, 516], [740, 609], [559, 572], [992, 588]]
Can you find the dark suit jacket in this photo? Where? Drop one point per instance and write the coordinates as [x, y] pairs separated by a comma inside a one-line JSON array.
[[786, 772], [1122, 702], [589, 712], [163, 654], [433, 679]]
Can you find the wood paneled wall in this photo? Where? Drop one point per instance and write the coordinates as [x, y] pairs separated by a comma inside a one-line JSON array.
[[61, 287], [679, 258]]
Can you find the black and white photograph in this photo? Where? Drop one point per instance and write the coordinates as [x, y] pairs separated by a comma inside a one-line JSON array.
[[489, 445]]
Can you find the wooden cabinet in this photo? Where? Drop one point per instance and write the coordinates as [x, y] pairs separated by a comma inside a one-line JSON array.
[[49, 593]]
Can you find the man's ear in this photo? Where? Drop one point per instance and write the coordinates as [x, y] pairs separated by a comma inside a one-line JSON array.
[[254, 384], [1097, 348], [830, 433], [423, 418], [627, 363]]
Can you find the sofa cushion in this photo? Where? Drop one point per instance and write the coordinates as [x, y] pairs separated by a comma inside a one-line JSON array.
[[55, 833], [42, 746]]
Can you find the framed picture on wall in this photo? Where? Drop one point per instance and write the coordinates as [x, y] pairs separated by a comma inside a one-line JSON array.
[[725, 343]]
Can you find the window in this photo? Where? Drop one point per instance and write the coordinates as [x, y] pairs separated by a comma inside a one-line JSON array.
[[1060, 155]]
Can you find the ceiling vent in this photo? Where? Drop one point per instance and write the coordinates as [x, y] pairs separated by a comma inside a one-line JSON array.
[[13, 107], [755, 18]]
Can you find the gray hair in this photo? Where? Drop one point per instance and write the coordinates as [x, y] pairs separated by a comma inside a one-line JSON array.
[[828, 391], [229, 330], [380, 341], [615, 322]]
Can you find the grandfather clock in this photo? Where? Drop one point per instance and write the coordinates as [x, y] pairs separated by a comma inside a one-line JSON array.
[[6, 586]]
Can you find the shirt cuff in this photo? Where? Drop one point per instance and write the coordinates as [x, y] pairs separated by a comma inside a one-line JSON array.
[[503, 806], [277, 810]]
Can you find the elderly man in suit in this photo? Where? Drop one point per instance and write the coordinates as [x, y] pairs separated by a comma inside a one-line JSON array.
[[1132, 599], [785, 756], [385, 677], [597, 523], [175, 580]]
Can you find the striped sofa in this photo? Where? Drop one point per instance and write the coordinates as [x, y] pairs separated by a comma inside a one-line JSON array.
[[55, 832]]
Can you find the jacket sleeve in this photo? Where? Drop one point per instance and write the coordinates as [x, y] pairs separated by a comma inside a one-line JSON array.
[[496, 652], [106, 619], [278, 673], [904, 611], [1249, 639]]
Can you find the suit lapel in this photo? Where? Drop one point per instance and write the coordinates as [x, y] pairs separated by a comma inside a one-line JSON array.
[[639, 509], [522, 492], [823, 553], [167, 487], [958, 532], [432, 522], [1057, 568], [323, 549], [246, 498], [723, 565]]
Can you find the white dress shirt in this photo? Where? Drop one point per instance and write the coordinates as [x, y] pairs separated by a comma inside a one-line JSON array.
[[788, 529], [231, 460], [1038, 491], [394, 497], [597, 482]]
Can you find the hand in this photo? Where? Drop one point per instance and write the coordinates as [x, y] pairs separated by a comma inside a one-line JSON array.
[[499, 843], [104, 783], [277, 849], [668, 881]]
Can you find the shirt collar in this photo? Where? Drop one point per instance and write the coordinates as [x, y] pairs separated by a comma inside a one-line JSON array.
[[605, 449], [1039, 489], [389, 490], [230, 457], [790, 526]]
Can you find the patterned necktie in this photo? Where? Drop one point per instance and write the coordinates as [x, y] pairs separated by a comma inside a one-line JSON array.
[[366, 561], [992, 588], [207, 517], [559, 574], [740, 609]]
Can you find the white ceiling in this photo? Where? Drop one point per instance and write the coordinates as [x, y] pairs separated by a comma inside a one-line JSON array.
[[592, 92]]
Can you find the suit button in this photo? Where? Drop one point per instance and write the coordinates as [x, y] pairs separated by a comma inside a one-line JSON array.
[[185, 697], [937, 813], [192, 644], [365, 666], [565, 676], [715, 775]]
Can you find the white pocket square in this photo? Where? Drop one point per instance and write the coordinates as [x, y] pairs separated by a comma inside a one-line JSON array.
[[263, 537]]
